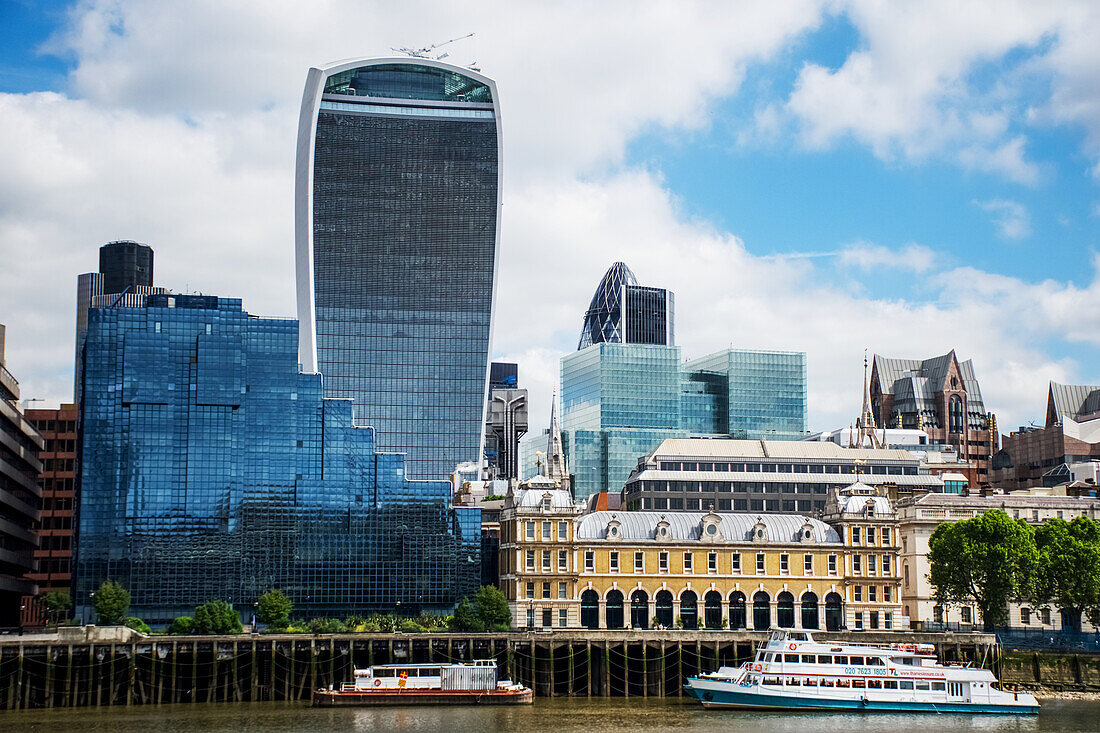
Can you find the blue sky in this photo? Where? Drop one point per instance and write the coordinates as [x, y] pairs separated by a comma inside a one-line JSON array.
[[819, 175]]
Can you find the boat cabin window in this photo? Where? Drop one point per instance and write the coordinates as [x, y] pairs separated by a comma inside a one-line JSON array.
[[890, 684], [826, 683], [772, 681], [874, 684], [824, 659], [855, 661], [796, 636], [859, 684], [808, 659], [875, 662], [840, 659], [793, 682], [790, 658], [922, 685], [938, 686], [385, 673], [905, 684]]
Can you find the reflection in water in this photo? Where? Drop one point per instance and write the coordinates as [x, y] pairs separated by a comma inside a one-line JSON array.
[[558, 715]]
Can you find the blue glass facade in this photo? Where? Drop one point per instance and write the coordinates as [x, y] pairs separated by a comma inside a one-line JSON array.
[[620, 401], [766, 395], [213, 468], [400, 190]]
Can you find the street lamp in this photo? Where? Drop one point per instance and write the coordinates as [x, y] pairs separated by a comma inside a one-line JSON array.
[[91, 605]]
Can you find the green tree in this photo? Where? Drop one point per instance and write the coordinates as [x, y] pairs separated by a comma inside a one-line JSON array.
[[988, 560], [465, 618], [492, 608], [274, 609], [56, 603], [1069, 568], [138, 625], [217, 617], [112, 601], [182, 625]]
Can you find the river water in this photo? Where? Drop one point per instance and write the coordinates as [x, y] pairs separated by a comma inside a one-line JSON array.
[[545, 716]]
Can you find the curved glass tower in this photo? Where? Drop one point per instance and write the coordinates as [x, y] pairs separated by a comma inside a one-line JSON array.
[[624, 312], [397, 228]]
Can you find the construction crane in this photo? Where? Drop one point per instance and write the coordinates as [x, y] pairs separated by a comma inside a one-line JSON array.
[[426, 52]]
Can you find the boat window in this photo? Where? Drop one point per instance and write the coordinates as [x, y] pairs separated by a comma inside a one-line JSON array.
[[840, 659], [874, 684], [790, 658], [890, 684], [938, 686], [843, 683], [810, 683], [826, 683], [905, 684], [793, 682], [824, 659], [855, 661], [859, 684], [808, 659], [768, 657], [385, 673], [772, 681], [798, 636], [922, 685], [875, 662]]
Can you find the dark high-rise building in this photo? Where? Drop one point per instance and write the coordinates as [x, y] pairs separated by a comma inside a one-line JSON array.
[[58, 483], [125, 264], [397, 199], [125, 277], [211, 467], [20, 498], [505, 421], [623, 312]]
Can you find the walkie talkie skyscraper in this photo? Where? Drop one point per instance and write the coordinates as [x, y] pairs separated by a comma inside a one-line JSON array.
[[397, 229]]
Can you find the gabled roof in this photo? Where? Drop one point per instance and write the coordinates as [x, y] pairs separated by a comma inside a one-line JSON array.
[[922, 378], [1074, 400]]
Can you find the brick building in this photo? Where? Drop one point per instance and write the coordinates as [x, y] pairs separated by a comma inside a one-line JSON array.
[[940, 396], [58, 484], [1071, 435]]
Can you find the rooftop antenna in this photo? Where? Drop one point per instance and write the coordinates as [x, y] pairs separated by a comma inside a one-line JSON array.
[[426, 52]]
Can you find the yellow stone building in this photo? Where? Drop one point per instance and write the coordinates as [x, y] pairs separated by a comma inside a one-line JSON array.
[[562, 568]]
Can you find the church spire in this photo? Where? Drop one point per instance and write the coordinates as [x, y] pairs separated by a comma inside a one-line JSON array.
[[556, 468], [865, 425]]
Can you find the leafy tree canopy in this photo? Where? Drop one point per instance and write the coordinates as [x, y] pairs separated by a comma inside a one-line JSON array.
[[988, 560], [492, 608], [182, 625], [112, 601], [57, 603], [217, 617], [274, 609], [465, 619], [1069, 559], [138, 625]]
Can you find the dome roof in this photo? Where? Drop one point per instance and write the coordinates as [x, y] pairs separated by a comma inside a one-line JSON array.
[[532, 498], [687, 526]]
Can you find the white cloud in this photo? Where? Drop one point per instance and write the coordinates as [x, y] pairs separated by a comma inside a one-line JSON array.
[[914, 87], [1010, 217], [179, 131], [914, 257]]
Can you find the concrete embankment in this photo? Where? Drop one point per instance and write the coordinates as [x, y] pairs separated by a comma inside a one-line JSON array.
[[1052, 674]]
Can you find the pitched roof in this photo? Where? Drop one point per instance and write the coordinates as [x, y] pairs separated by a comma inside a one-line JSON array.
[[1074, 400], [922, 378], [687, 526]]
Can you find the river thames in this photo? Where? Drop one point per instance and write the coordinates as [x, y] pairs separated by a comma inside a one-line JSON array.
[[549, 715]]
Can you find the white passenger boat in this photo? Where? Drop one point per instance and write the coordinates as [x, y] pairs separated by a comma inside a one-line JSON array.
[[792, 671], [459, 683]]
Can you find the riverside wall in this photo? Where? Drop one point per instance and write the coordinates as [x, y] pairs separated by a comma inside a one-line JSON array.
[[88, 671]]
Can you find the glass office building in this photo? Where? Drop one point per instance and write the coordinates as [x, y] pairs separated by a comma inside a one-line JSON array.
[[766, 391], [397, 205], [214, 468], [625, 390]]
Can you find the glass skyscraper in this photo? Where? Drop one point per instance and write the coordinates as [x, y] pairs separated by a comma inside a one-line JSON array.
[[397, 204], [624, 391], [213, 468]]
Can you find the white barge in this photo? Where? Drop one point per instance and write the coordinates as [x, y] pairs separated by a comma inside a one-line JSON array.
[[463, 683], [791, 671]]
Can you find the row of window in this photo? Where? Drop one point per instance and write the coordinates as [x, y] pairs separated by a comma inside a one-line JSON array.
[[546, 535], [687, 562], [856, 534], [784, 468], [853, 661], [855, 683]]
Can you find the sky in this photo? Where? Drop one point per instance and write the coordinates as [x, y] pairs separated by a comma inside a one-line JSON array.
[[825, 176]]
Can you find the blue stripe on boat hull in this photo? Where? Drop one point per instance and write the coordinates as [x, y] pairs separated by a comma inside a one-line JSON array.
[[764, 701]]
